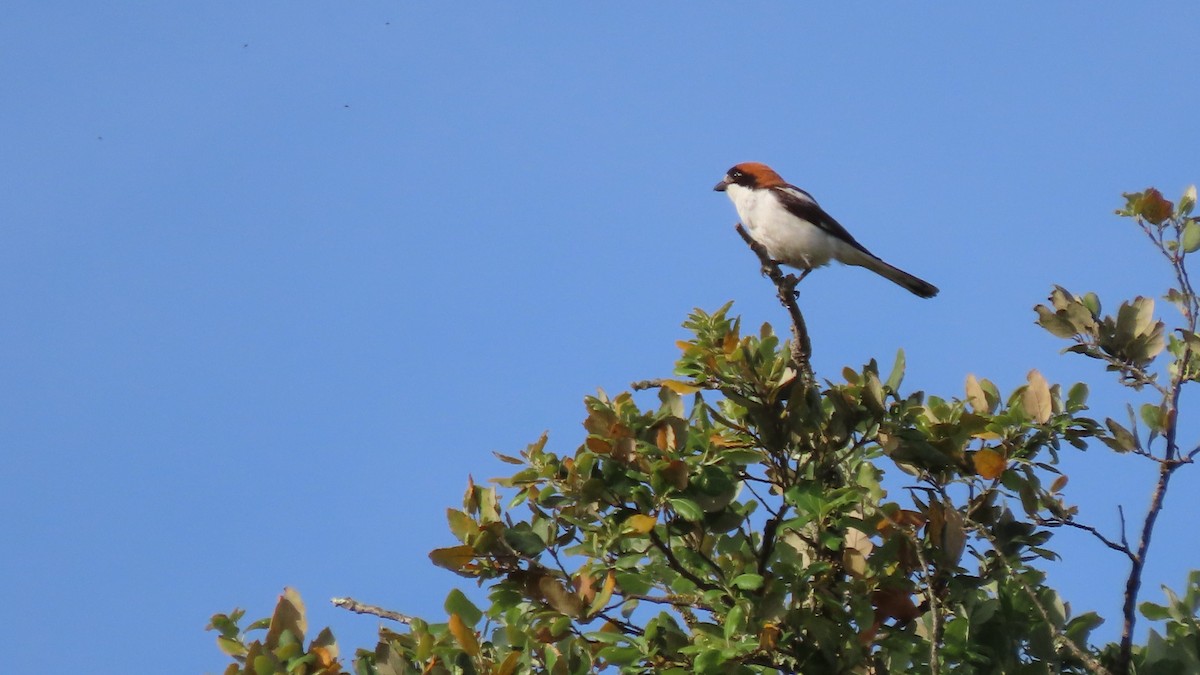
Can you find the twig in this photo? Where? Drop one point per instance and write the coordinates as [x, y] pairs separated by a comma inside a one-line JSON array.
[[677, 566], [935, 606], [1057, 522], [785, 284], [363, 608], [1165, 469], [1121, 515], [673, 600], [1134, 582]]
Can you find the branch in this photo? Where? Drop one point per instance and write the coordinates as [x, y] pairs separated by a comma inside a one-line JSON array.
[[673, 600], [677, 566], [363, 608], [935, 606], [1058, 522], [1134, 583], [785, 284], [1172, 461]]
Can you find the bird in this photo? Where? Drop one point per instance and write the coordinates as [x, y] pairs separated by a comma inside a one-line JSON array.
[[796, 231]]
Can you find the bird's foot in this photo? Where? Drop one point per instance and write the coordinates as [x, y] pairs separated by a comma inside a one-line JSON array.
[[792, 281]]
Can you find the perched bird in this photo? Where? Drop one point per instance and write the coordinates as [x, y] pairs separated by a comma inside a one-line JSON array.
[[796, 231]]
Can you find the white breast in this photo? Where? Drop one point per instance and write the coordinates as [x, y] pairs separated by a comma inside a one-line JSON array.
[[788, 239]]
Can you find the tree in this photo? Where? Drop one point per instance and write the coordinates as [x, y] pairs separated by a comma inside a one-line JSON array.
[[739, 524]]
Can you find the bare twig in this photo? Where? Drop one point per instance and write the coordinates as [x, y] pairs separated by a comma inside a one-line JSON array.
[[362, 608], [785, 284], [1058, 522], [1124, 530]]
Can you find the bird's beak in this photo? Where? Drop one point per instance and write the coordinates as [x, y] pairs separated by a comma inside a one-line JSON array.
[[720, 187]]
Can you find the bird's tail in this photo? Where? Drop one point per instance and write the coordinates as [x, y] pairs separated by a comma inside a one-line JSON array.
[[916, 286]]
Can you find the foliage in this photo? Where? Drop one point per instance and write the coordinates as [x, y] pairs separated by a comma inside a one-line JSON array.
[[282, 649], [738, 522]]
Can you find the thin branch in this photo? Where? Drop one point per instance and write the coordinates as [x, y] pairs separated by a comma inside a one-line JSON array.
[[677, 566], [1058, 522], [1124, 530], [1134, 583], [642, 385], [673, 600], [935, 606], [785, 284], [768, 540], [362, 608], [646, 384], [1171, 462], [626, 626]]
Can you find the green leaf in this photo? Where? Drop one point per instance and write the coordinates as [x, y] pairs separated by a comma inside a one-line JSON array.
[[709, 661], [635, 583], [1187, 202], [1152, 415], [619, 655], [462, 526], [733, 621], [231, 646], [457, 603], [687, 509], [1191, 237], [1055, 323], [1154, 612], [897, 375], [1122, 439], [522, 538], [1077, 396], [748, 582]]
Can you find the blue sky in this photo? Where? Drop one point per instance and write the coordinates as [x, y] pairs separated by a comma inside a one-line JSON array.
[[279, 275]]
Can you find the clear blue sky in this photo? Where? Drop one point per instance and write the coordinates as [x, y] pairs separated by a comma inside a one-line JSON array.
[[278, 275]]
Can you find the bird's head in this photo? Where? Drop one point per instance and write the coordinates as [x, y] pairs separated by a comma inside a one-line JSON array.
[[750, 175]]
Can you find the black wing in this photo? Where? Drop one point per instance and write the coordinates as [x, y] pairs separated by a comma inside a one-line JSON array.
[[801, 204]]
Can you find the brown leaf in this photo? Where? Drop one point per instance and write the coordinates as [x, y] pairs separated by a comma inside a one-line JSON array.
[[464, 634], [558, 597], [975, 395], [509, 665], [989, 463], [289, 616], [768, 637], [1154, 207], [894, 603], [585, 586], [598, 445], [1035, 400], [453, 558], [1059, 483], [605, 594], [954, 539], [855, 551], [664, 438], [729, 343], [676, 474]]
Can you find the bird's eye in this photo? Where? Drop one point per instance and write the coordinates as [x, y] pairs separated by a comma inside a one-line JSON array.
[[735, 174]]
